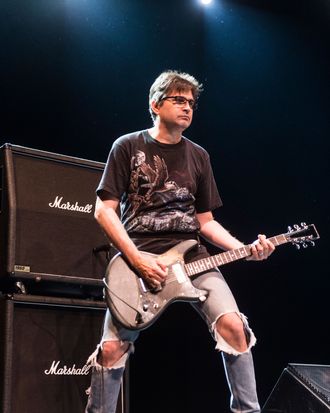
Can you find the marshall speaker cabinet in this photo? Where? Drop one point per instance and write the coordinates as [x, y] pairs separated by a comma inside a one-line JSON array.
[[49, 238], [301, 388], [45, 344]]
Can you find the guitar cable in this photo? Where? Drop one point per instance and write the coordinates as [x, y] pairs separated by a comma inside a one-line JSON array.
[[138, 314]]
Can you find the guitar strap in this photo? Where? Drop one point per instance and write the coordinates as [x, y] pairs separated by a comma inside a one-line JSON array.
[[198, 238]]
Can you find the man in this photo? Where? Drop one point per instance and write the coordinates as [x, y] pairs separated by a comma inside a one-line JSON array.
[[166, 191]]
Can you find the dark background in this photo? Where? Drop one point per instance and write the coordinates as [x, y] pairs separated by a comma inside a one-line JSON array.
[[75, 74]]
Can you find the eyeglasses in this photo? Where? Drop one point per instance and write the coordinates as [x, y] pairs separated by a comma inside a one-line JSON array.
[[181, 101]]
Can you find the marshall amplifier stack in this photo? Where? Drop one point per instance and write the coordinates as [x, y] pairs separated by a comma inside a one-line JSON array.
[[45, 343], [53, 257], [48, 235]]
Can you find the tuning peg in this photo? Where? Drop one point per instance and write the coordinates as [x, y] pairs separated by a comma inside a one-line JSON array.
[[297, 246], [303, 225], [296, 227], [309, 242], [290, 229]]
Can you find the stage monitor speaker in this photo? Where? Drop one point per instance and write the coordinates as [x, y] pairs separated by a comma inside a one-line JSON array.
[[48, 234], [301, 388], [45, 343]]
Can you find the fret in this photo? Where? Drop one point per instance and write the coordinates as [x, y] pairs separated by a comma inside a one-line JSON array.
[[195, 266], [283, 239], [233, 255], [189, 269], [278, 240], [202, 265], [217, 260], [242, 252], [229, 256], [275, 240], [225, 260], [209, 263]]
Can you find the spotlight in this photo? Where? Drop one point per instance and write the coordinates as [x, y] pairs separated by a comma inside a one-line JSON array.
[[206, 2]]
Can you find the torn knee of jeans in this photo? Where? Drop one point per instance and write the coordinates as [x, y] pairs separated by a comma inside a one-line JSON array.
[[120, 363], [223, 345]]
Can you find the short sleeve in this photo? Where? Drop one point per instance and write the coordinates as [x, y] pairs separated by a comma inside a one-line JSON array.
[[115, 178], [207, 194]]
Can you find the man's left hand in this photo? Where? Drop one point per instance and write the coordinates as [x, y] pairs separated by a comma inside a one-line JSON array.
[[261, 249]]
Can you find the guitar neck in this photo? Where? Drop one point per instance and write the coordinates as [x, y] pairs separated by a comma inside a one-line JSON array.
[[214, 261]]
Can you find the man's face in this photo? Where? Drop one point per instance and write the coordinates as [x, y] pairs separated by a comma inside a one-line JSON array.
[[175, 110]]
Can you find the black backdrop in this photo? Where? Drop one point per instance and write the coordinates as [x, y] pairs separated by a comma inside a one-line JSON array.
[[75, 74]]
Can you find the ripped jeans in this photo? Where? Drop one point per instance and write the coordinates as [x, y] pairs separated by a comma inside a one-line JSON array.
[[238, 366]]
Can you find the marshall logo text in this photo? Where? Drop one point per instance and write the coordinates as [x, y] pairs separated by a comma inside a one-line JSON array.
[[67, 371], [86, 209]]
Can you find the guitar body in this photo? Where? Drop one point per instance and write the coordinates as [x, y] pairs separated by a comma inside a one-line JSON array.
[[133, 303]]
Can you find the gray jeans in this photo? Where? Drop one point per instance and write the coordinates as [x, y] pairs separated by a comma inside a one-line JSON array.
[[238, 366]]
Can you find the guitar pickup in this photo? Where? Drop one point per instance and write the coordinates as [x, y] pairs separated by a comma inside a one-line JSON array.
[[179, 273]]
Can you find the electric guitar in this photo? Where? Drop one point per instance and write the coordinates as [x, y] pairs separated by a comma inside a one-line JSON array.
[[136, 306]]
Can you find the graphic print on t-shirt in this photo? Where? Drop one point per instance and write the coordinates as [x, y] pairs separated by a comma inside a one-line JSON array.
[[157, 203]]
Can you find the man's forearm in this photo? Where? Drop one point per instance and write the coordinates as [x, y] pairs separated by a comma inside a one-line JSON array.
[[115, 231], [216, 234]]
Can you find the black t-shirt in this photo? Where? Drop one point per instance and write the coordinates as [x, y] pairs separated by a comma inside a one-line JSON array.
[[160, 186]]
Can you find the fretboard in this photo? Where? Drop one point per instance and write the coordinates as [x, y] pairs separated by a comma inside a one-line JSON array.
[[208, 263]]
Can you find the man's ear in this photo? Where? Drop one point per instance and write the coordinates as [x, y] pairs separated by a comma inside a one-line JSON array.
[[155, 107]]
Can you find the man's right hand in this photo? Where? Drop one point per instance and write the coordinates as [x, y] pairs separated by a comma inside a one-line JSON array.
[[151, 270]]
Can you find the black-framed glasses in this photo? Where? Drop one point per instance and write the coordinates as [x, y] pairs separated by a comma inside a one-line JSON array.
[[181, 101]]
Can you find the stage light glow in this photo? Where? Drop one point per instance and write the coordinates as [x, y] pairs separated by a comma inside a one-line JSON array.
[[206, 2]]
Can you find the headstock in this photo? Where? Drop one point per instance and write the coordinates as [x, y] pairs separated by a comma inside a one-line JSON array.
[[302, 235]]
